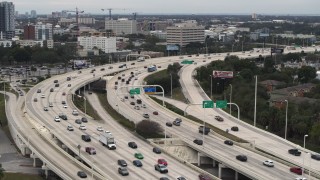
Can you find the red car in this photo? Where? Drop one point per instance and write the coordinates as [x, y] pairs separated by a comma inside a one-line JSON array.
[[155, 112], [296, 170], [204, 177], [163, 162]]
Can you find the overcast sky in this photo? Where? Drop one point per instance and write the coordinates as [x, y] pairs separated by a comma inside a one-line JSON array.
[[173, 6]]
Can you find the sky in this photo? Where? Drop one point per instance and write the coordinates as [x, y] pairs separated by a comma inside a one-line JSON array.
[[283, 7]]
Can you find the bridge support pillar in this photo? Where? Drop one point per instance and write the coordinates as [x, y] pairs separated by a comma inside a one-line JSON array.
[[236, 175], [214, 163], [65, 148], [45, 168], [34, 156], [220, 170]]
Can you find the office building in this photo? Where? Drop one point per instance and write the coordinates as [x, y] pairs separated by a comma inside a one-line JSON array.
[[121, 26], [7, 18], [38, 32], [106, 44], [33, 14], [185, 33]]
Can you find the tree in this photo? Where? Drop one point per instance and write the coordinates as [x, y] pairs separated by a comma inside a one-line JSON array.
[[315, 133], [149, 128], [306, 74], [20, 55]]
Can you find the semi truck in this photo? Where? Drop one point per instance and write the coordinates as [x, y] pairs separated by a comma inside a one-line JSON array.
[[107, 140]]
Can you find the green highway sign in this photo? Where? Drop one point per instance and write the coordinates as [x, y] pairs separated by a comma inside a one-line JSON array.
[[134, 91], [187, 61], [207, 104], [221, 104]]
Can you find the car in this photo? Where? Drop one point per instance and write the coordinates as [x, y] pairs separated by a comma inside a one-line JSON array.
[[35, 100], [63, 94], [63, 102], [164, 178], [56, 85], [69, 85], [234, 128], [198, 142], [300, 178], [78, 121], [137, 163], [123, 171], [268, 163], [169, 124], [133, 63], [110, 67], [90, 150], [137, 107], [63, 116], [218, 118], [155, 113], [55, 81], [65, 106], [79, 72], [315, 156], [132, 97], [43, 96], [228, 142], [45, 108], [89, 92], [82, 174], [84, 119], [75, 112], [156, 150], [204, 177], [296, 170], [99, 128], [204, 130], [57, 119], [102, 69], [146, 115], [178, 120], [161, 168], [68, 78], [176, 123], [69, 128], [86, 137], [294, 152], [50, 104], [181, 178], [122, 163], [139, 101], [138, 155], [82, 127], [144, 106], [242, 158], [133, 145], [39, 91], [132, 103], [126, 97], [162, 161], [159, 66]]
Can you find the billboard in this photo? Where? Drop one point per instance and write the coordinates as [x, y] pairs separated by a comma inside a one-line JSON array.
[[222, 74], [172, 48]]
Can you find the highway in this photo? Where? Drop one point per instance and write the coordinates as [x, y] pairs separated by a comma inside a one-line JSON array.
[[105, 166]]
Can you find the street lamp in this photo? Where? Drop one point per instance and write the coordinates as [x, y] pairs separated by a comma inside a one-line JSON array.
[[304, 141], [171, 85], [211, 87], [230, 96], [285, 130]]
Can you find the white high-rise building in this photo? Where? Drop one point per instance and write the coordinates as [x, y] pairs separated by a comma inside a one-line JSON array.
[[106, 44], [33, 14], [43, 31], [7, 18], [122, 26]]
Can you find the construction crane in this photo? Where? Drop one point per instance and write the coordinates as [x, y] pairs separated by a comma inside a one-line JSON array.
[[110, 9], [77, 11]]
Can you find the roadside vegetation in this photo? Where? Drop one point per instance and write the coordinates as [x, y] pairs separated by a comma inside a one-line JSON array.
[[79, 102]]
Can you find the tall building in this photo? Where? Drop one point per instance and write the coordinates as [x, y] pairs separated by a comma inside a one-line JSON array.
[[29, 32], [33, 14], [121, 26], [106, 44], [183, 34], [38, 32], [7, 20]]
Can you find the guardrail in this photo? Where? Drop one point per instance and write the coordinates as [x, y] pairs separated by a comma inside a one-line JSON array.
[[12, 124]]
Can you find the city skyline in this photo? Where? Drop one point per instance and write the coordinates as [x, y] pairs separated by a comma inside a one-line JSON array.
[[307, 7]]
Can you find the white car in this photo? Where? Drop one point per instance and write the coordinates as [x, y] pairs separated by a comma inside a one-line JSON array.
[[43, 96], [99, 128], [137, 107], [69, 128], [144, 106], [65, 106], [82, 127], [268, 163], [75, 112], [108, 132], [300, 178], [50, 105], [57, 119]]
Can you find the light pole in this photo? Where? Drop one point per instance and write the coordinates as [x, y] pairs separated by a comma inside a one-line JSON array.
[[304, 147], [171, 85], [255, 102], [230, 96], [285, 130], [211, 87]]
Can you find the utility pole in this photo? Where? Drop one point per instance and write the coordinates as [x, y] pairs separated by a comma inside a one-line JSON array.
[[255, 101]]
